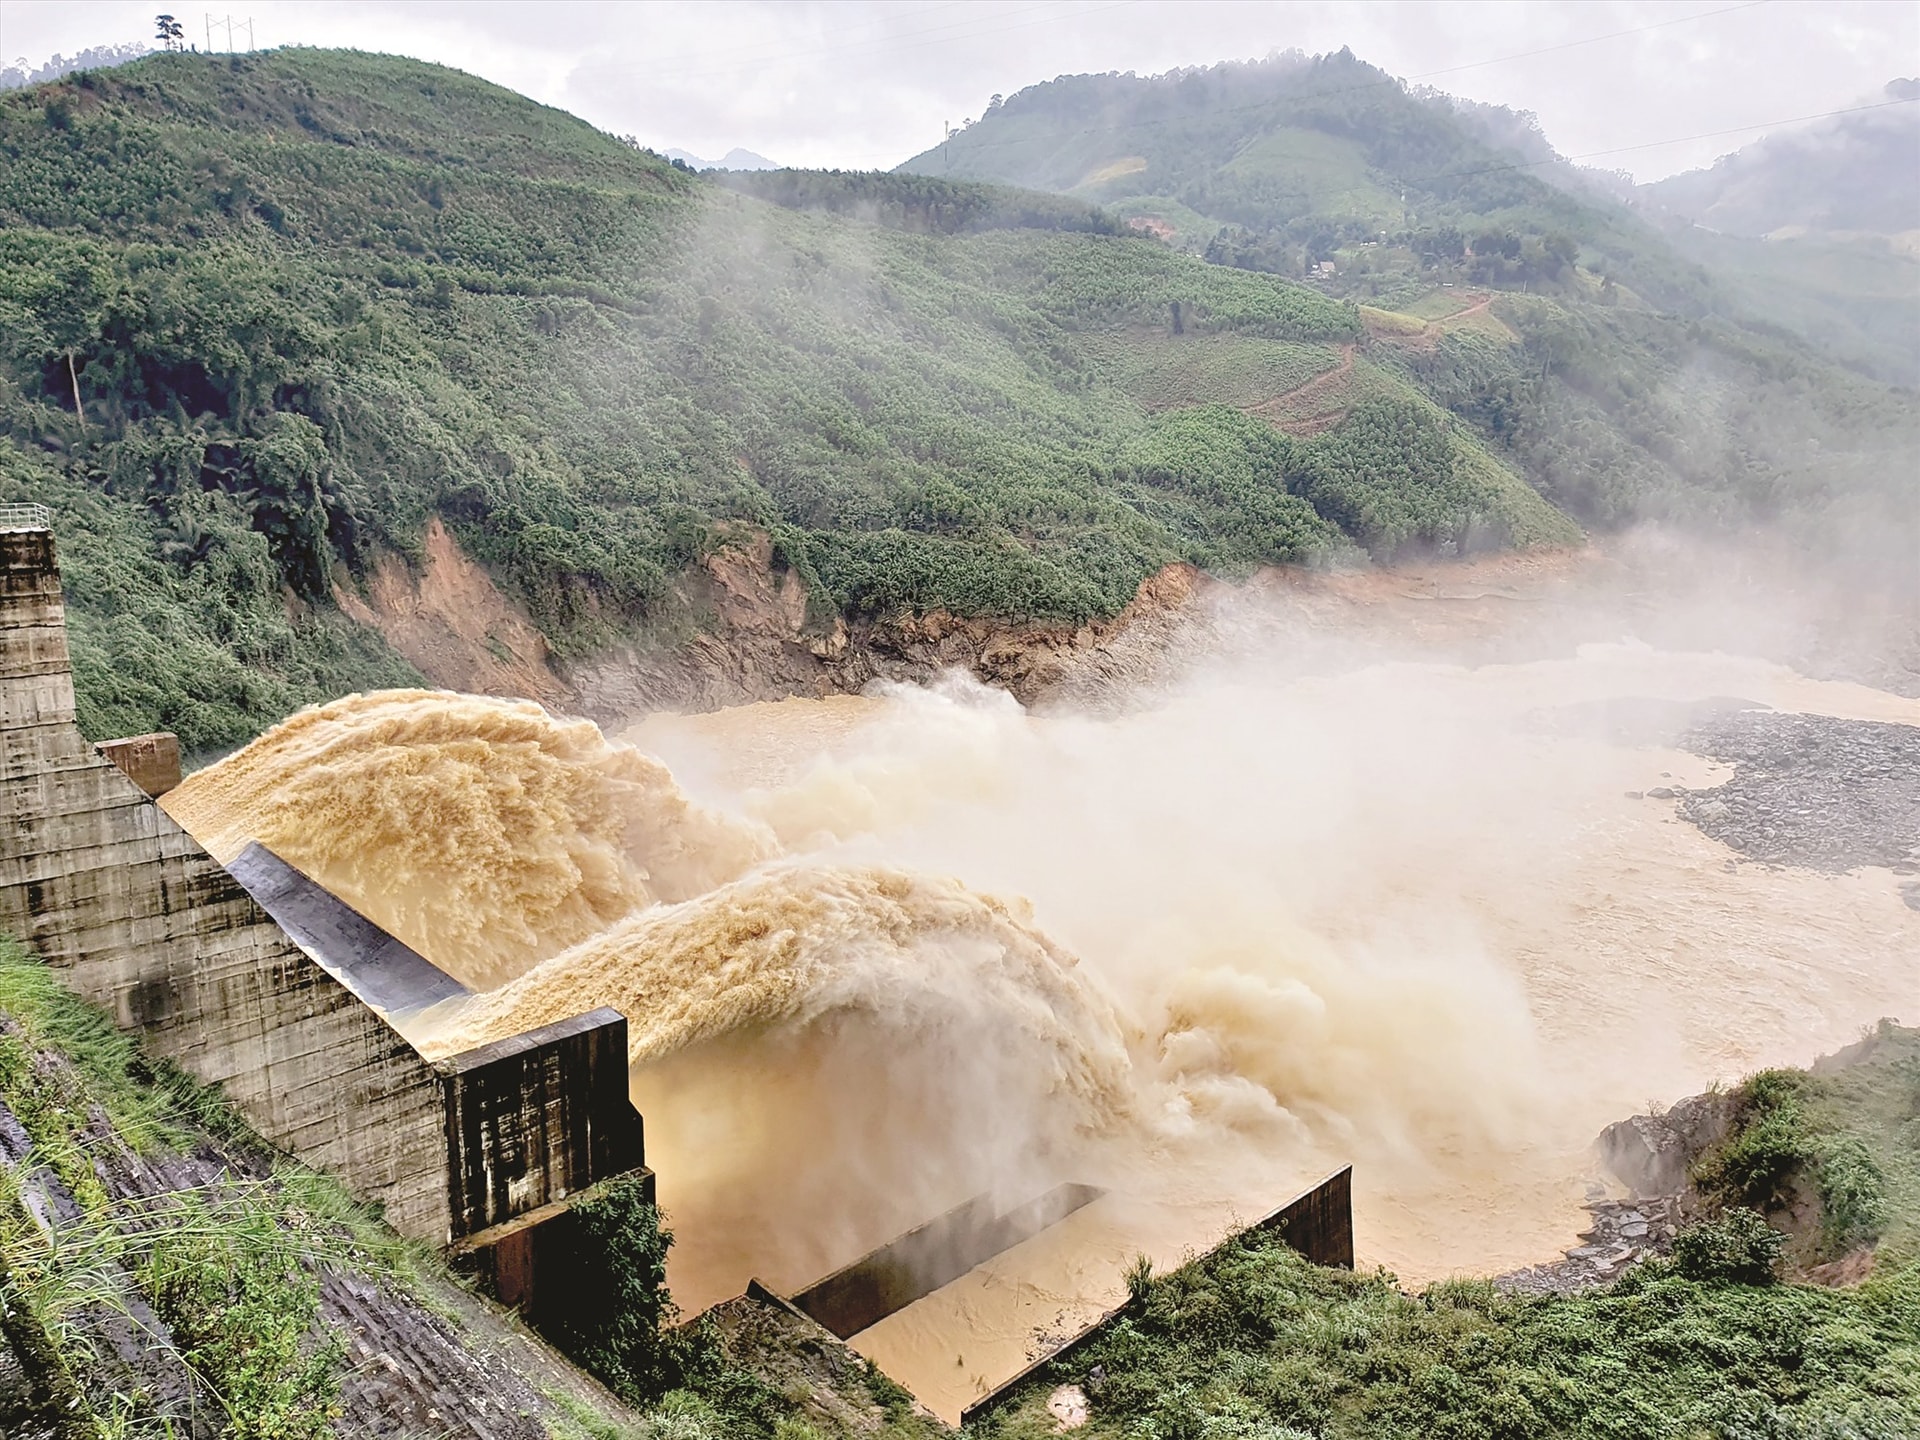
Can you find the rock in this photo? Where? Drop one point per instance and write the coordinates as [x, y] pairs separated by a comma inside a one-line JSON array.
[[1649, 1154], [1660, 792], [1810, 790], [1068, 1407]]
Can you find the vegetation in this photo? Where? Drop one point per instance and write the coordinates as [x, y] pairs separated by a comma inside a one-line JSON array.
[[230, 1275], [1252, 1342], [262, 316], [1828, 1154], [307, 299], [614, 1325], [920, 204], [1632, 381], [1294, 161]]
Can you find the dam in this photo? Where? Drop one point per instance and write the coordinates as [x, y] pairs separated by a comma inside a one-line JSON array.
[[308, 1014], [257, 980]]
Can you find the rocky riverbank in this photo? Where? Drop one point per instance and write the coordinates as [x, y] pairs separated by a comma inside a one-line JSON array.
[[1811, 790]]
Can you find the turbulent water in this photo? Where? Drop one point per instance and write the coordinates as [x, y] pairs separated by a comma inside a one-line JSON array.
[[1400, 914], [484, 833]]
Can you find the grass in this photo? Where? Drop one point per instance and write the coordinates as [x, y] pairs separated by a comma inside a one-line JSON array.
[[223, 1281]]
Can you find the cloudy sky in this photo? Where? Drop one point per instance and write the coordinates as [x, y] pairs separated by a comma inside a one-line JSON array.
[[1648, 86]]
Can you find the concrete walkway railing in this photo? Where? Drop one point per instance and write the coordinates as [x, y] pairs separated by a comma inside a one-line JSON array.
[[25, 517]]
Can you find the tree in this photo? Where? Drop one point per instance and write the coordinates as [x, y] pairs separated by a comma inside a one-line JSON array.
[[169, 32]]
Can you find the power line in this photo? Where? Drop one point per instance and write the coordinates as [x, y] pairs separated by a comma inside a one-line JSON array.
[[1592, 39]]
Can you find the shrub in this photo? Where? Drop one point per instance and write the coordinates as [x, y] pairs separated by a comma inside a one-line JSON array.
[[1768, 1143], [1853, 1197], [1139, 1278], [615, 1279], [1738, 1248]]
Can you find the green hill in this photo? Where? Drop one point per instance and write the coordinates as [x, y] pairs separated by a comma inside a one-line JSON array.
[[311, 299], [1304, 160], [1631, 377]]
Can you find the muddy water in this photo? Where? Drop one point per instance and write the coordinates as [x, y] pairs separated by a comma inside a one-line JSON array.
[[880, 954], [1404, 915]]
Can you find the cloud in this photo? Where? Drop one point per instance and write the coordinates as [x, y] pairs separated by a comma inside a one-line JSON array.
[[863, 84]]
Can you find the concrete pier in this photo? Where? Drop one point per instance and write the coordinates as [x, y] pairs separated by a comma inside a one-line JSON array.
[[261, 982]]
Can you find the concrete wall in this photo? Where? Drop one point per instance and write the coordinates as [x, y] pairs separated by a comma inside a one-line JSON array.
[[151, 761], [929, 1256], [533, 1119], [1319, 1224], [105, 886]]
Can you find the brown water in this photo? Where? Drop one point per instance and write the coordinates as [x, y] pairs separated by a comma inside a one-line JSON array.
[[1269, 924], [1381, 915], [484, 833]]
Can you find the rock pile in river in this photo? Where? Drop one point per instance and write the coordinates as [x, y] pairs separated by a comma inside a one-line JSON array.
[[1811, 790]]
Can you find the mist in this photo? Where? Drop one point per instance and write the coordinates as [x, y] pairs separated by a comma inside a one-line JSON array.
[[1366, 873]]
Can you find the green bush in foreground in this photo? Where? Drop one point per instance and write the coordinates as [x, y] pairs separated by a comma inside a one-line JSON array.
[[615, 1279], [1252, 1341], [1738, 1248]]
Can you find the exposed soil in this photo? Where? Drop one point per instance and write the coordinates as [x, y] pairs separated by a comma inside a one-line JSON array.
[[753, 641], [762, 647], [451, 622]]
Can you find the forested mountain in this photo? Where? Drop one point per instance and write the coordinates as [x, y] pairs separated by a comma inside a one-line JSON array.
[[1327, 168], [95, 57], [1304, 160], [265, 316]]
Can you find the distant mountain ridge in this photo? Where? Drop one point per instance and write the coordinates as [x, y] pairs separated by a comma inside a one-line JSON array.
[[1851, 173], [735, 159], [98, 57], [1277, 164]]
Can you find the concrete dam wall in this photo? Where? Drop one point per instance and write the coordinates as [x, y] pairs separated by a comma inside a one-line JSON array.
[[262, 982]]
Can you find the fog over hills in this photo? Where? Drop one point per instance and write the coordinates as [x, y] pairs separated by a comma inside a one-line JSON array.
[[1277, 165], [734, 159], [1852, 172], [319, 309]]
